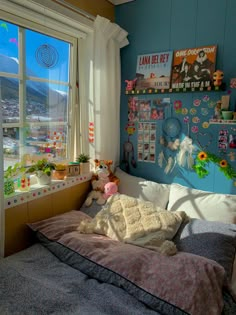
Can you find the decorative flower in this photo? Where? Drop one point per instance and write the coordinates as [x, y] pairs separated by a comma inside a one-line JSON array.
[[177, 105], [202, 156], [223, 163]]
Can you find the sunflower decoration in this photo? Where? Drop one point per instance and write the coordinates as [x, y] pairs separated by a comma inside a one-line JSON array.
[[204, 158]]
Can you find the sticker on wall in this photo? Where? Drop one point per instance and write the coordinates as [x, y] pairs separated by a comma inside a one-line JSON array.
[[205, 124], [204, 111], [197, 102], [194, 129], [193, 111], [195, 120], [130, 128], [178, 106], [184, 111], [205, 98], [211, 104]]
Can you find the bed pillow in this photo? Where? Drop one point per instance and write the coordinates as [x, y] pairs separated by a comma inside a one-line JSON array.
[[55, 227], [143, 189], [203, 205], [213, 240]]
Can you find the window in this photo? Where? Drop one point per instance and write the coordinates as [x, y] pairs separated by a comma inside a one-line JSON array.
[[36, 92]]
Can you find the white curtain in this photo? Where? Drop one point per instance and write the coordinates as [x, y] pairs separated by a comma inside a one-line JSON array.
[[100, 84]]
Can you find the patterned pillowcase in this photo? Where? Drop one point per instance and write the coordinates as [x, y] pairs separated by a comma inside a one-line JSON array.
[[213, 240]]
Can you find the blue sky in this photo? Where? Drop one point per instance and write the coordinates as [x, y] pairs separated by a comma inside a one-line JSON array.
[[34, 42]]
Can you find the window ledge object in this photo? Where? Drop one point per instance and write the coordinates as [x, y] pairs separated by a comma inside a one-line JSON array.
[[36, 191]]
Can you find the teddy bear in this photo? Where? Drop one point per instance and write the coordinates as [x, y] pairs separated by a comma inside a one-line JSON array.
[[102, 175]]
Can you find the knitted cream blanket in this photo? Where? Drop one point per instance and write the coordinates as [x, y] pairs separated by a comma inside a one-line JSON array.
[[137, 222]]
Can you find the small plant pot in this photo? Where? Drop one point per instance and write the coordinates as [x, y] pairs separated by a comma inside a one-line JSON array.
[[59, 175], [227, 115], [43, 179], [84, 168]]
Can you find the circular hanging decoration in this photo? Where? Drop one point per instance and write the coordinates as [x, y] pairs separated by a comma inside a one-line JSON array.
[[46, 56], [171, 127]]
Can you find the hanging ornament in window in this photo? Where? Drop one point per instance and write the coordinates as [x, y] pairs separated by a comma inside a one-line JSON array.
[[46, 56]]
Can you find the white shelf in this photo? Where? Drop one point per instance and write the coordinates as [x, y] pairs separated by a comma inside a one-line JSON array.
[[222, 122]]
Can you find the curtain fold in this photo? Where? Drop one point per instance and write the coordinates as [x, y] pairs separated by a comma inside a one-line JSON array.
[[100, 84]]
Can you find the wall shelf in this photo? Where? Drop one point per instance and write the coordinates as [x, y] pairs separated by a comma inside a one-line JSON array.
[[178, 90], [222, 122]]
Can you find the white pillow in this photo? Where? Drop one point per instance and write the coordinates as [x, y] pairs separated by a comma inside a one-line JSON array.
[[143, 189], [202, 204]]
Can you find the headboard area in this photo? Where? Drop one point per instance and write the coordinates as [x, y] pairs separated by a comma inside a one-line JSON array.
[[18, 235]]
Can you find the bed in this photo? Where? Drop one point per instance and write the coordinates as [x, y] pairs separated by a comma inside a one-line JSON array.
[[69, 272]]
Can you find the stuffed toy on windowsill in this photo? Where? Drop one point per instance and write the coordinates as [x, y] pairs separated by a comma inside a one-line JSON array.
[[102, 175]]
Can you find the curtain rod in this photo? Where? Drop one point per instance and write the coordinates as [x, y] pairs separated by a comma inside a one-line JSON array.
[[75, 9]]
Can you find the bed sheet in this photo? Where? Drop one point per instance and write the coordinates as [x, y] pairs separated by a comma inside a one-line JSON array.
[[34, 281]]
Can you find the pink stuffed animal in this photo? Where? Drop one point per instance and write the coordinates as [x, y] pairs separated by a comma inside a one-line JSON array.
[[110, 189]]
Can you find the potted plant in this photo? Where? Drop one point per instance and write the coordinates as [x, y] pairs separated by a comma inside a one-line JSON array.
[[43, 171], [83, 160], [59, 172], [10, 175]]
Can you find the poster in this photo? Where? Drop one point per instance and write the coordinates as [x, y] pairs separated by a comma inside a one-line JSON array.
[[146, 142], [154, 70], [193, 67]]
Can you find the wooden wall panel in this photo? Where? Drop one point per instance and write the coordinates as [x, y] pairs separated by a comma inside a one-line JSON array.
[[18, 236], [95, 7]]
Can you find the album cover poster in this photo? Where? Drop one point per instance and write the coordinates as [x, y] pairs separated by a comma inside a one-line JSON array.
[[154, 70], [193, 67]]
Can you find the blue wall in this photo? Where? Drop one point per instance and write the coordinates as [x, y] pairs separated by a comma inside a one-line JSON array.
[[163, 25]]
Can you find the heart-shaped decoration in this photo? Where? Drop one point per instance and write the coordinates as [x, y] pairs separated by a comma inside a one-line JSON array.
[[204, 139]]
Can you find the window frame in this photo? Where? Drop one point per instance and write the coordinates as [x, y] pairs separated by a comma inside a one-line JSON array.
[[22, 77]]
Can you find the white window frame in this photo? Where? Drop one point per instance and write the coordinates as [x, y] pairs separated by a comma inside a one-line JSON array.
[[45, 14]]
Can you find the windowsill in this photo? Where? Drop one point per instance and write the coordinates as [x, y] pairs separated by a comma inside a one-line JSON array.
[[37, 191]]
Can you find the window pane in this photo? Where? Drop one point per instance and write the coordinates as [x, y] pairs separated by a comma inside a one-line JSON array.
[[8, 47], [10, 146], [46, 102], [45, 142], [47, 57], [9, 98]]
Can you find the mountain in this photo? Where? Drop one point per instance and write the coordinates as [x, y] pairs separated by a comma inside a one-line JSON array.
[[38, 94]]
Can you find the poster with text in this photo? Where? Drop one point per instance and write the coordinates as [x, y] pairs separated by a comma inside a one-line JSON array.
[[154, 70], [193, 67]]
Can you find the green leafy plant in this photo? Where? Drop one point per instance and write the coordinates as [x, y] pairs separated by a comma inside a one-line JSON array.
[[83, 158], [204, 158], [42, 166], [13, 171]]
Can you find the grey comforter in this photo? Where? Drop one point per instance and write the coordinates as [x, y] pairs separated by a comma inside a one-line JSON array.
[[35, 282]]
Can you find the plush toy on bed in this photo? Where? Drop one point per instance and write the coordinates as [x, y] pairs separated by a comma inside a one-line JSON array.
[[110, 189], [102, 175]]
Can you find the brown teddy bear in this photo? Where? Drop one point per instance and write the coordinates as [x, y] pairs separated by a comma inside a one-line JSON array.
[[102, 175]]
